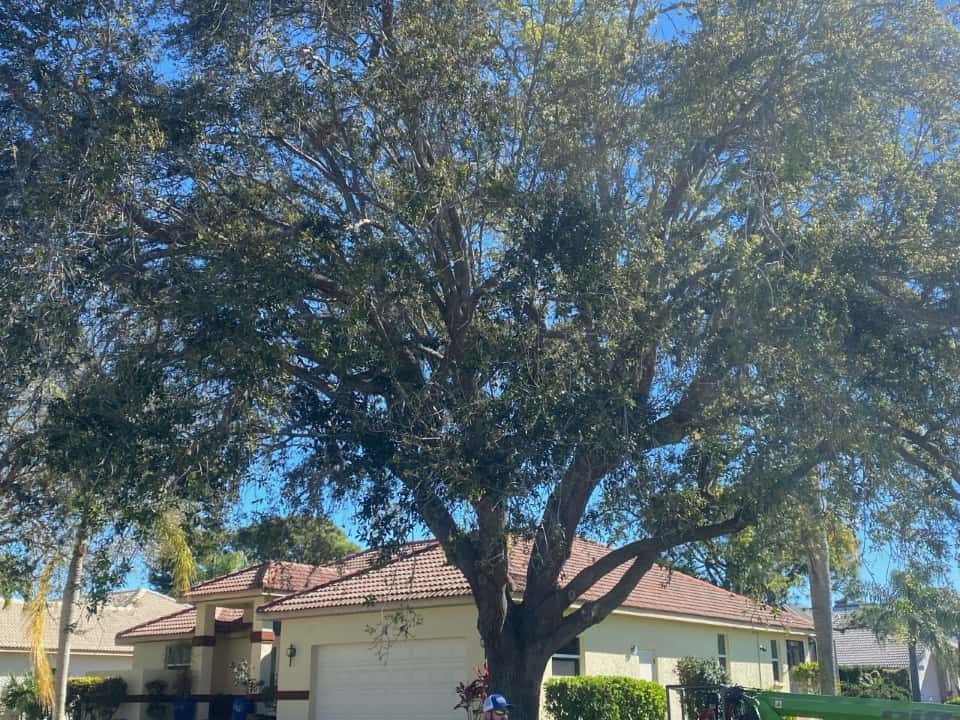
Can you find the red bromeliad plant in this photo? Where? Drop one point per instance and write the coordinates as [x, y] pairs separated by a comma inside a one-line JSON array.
[[473, 694]]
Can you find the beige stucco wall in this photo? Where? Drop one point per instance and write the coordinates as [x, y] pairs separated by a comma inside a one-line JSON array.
[[307, 633], [229, 649], [605, 648], [16, 663]]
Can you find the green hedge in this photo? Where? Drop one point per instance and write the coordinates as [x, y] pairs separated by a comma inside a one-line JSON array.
[[953, 701], [605, 698], [94, 698], [855, 673]]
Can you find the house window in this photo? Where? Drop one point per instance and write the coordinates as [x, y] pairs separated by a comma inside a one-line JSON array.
[[177, 656], [775, 659], [795, 653], [566, 661], [722, 650]]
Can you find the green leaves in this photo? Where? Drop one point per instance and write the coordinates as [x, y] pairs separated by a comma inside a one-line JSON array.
[[605, 698], [489, 267]]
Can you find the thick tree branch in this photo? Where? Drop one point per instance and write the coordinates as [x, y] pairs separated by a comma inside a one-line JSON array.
[[558, 526], [644, 552]]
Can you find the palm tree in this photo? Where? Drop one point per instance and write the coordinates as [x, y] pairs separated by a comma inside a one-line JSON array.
[[915, 611]]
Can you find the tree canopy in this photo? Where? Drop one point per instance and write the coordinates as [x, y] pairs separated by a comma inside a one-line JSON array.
[[519, 270], [291, 538]]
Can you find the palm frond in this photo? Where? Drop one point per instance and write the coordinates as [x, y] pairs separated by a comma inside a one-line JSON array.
[[35, 611], [172, 547]]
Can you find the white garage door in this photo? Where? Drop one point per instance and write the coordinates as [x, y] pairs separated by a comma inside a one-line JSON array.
[[416, 683]]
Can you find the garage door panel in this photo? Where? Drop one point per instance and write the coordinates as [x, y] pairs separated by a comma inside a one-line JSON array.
[[416, 682]]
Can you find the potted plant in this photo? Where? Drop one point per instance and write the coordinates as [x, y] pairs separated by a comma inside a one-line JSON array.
[[184, 706], [244, 706], [156, 706]]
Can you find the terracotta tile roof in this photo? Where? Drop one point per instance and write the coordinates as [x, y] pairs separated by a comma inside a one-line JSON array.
[[364, 559], [94, 634], [425, 574], [182, 622], [270, 577], [663, 590]]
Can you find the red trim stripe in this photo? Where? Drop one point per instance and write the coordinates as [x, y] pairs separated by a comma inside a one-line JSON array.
[[262, 636], [293, 694]]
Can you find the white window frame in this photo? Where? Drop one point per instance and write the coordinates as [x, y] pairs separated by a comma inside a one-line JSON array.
[[723, 650], [177, 663], [775, 660]]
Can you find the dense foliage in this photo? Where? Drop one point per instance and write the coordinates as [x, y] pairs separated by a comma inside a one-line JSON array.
[[95, 698], [605, 698], [506, 271], [696, 671], [21, 698], [874, 684]]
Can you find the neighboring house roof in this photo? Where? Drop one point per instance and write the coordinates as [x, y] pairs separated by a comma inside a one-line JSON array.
[[859, 646], [182, 622], [423, 573], [95, 634]]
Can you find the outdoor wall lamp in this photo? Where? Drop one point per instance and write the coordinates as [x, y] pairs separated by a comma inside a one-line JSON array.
[[291, 653]]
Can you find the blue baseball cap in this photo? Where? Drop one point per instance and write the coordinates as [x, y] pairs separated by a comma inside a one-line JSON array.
[[495, 702]]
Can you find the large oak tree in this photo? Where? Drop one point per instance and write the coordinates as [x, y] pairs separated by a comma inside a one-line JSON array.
[[504, 268]]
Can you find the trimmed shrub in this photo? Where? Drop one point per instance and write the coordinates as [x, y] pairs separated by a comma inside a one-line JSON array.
[[94, 698], [605, 698], [855, 673], [699, 671], [953, 701], [874, 684]]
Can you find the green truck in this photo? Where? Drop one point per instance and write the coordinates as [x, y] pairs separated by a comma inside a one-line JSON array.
[[737, 703]]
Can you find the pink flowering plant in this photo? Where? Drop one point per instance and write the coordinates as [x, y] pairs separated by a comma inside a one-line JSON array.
[[472, 694]]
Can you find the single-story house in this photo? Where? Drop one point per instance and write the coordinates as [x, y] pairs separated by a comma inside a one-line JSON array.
[[95, 649], [855, 646], [315, 633]]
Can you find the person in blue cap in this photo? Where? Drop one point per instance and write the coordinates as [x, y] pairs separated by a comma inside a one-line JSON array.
[[495, 707]]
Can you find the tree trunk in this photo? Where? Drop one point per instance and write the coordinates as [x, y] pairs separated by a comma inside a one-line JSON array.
[[914, 672], [517, 676], [821, 600], [68, 618]]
